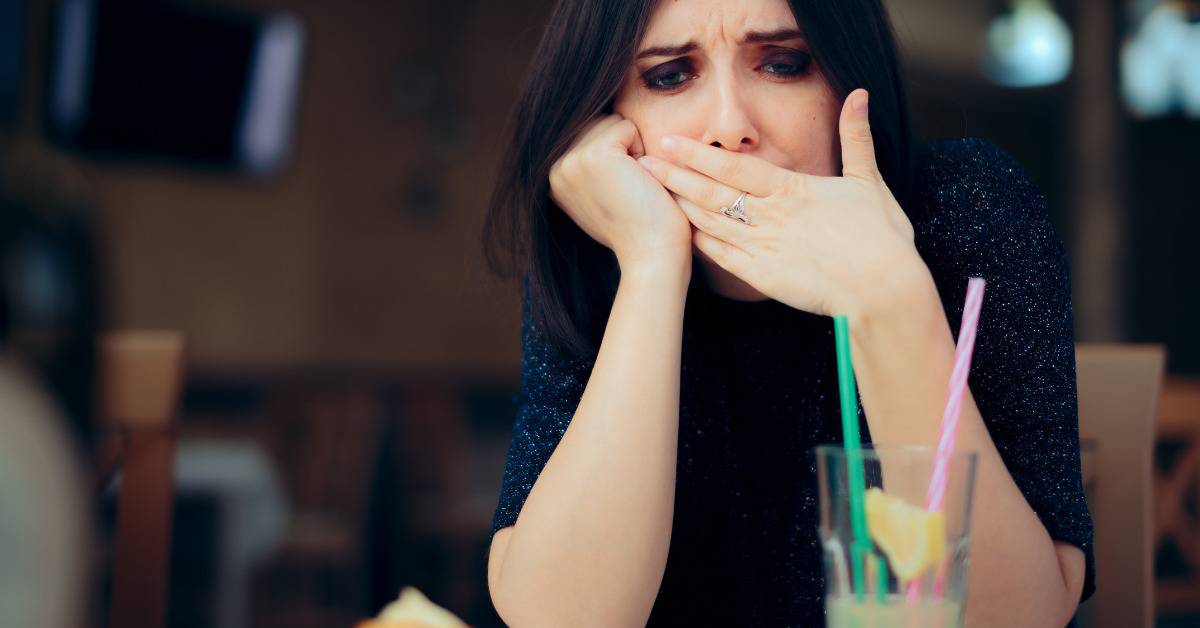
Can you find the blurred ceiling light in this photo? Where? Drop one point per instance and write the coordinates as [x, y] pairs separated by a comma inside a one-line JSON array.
[[1160, 63], [1029, 46]]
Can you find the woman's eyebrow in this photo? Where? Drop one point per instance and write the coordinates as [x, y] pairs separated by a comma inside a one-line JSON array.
[[751, 37], [667, 51], [766, 37]]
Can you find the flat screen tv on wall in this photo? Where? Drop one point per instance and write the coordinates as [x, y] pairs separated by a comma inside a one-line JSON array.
[[180, 83]]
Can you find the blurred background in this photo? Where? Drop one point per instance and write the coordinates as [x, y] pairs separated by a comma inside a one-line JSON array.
[[289, 195]]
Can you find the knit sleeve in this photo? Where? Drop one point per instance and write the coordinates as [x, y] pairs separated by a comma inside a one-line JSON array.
[[1023, 371], [552, 384]]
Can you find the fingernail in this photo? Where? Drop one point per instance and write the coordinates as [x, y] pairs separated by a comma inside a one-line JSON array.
[[860, 104], [669, 142]]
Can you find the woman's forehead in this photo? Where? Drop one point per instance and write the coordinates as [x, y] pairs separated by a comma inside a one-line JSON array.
[[675, 22]]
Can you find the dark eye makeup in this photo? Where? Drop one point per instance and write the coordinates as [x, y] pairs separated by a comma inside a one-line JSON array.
[[670, 75], [777, 64], [787, 63]]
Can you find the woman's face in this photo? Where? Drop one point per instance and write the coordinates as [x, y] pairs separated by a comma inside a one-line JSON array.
[[735, 74]]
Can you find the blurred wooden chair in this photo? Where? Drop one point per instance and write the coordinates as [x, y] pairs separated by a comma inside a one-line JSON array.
[[140, 382], [1119, 390], [1176, 494], [325, 435]]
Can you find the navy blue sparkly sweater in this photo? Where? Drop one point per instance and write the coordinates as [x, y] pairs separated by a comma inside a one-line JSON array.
[[744, 546]]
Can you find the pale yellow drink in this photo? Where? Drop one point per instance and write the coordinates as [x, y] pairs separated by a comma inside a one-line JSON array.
[[894, 612], [868, 572]]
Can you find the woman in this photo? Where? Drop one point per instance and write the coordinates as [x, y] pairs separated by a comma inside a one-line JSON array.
[[678, 359]]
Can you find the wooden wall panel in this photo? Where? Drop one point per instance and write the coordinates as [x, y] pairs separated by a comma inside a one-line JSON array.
[[338, 261]]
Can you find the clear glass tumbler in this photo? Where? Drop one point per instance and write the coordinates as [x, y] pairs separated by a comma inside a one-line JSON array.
[[910, 569]]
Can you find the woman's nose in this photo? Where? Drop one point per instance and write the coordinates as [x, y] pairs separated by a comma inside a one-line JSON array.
[[730, 122]]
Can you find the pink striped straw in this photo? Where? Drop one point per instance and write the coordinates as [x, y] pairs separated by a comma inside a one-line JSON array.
[[958, 385]]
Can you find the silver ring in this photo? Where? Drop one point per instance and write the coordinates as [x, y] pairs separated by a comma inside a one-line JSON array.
[[737, 211]]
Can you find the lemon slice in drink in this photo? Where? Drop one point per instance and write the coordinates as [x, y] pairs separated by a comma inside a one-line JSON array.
[[913, 538]]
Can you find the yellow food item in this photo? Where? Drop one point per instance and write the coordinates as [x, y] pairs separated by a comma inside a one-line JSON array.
[[913, 538], [413, 610]]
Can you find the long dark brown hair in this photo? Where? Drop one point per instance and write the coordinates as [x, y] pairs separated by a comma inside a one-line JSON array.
[[580, 64]]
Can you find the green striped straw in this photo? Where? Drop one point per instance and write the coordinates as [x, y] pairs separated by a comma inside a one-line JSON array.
[[861, 546]]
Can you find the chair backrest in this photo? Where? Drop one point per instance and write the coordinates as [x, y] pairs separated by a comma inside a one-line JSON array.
[[326, 439], [1119, 390], [1176, 494], [141, 379]]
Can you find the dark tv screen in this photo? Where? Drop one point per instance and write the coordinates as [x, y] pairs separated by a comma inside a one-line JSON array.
[[176, 81], [12, 27]]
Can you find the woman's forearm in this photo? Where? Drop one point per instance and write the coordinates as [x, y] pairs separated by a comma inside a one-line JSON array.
[[903, 358], [590, 545]]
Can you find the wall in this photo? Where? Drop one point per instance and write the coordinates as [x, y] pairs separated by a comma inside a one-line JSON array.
[[362, 253]]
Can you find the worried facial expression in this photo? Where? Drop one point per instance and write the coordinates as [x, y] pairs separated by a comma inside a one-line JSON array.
[[735, 74]]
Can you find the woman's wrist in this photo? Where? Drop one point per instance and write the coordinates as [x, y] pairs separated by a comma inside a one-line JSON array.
[[903, 353], [901, 282], [907, 300], [664, 273]]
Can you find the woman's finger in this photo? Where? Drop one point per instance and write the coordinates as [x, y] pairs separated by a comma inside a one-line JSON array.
[[596, 128], [727, 256], [689, 184], [624, 134], [739, 171], [858, 147], [636, 149], [628, 136], [715, 223]]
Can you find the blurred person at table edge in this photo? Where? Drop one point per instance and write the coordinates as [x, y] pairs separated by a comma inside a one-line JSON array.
[[48, 320], [678, 360]]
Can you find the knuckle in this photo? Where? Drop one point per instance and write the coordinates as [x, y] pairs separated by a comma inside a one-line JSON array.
[[566, 166], [556, 174], [590, 155], [786, 183], [794, 186]]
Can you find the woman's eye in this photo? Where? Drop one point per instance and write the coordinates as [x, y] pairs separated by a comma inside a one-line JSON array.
[[668, 76], [793, 64], [671, 80]]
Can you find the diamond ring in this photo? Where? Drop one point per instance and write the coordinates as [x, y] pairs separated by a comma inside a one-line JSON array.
[[737, 211]]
